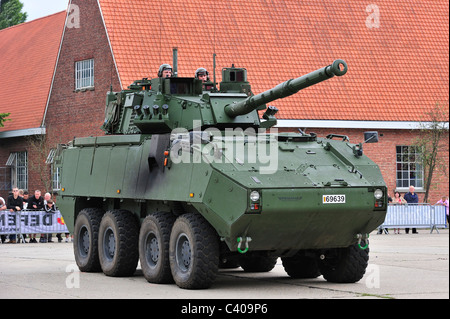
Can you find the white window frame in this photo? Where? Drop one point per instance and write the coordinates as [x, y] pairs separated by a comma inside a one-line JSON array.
[[56, 171], [18, 161], [409, 168], [84, 74]]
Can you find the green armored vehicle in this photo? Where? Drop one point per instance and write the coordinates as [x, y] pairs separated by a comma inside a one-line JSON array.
[[188, 178]]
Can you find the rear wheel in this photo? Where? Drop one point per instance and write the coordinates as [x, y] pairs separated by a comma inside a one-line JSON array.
[[154, 240], [301, 266], [118, 243], [257, 263], [345, 265], [193, 252], [86, 239]]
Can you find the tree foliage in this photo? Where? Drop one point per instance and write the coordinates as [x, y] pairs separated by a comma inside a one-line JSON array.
[[11, 13], [433, 143], [3, 118]]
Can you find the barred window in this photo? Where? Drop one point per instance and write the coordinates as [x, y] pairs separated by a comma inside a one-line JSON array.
[[56, 180], [409, 167], [18, 161], [84, 74], [56, 172]]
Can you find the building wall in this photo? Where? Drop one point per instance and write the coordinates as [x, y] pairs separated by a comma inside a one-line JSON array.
[[36, 168], [81, 113]]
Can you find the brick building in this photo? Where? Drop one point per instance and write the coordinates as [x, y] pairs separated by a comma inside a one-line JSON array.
[[397, 54], [28, 56]]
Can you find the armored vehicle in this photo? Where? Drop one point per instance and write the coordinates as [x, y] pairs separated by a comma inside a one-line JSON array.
[[189, 178]]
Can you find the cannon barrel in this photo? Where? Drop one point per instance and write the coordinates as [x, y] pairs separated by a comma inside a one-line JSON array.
[[292, 86]]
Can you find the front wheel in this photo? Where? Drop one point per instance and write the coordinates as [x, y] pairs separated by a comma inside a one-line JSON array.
[[345, 265], [193, 252]]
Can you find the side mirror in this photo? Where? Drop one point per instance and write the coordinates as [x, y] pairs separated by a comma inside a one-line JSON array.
[[371, 137]]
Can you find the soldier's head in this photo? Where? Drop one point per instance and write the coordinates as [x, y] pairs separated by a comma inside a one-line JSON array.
[[165, 71], [201, 74]]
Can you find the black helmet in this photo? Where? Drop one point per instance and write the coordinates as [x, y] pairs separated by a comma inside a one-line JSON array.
[[162, 68]]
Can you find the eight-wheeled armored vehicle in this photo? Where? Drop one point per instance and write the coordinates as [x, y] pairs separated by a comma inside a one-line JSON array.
[[189, 178]]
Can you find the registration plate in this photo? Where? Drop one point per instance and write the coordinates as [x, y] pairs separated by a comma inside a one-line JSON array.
[[333, 199]]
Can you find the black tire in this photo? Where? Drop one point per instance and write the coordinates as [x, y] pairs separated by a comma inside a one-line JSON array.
[[85, 238], [229, 263], [300, 266], [154, 240], [257, 263], [193, 252], [347, 266], [118, 243]]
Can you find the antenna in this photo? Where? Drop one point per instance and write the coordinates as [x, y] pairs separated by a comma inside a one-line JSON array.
[[214, 47], [214, 71], [175, 62], [112, 57], [160, 31]]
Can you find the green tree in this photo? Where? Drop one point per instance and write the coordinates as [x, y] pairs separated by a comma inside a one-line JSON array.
[[431, 142], [3, 118], [11, 13]]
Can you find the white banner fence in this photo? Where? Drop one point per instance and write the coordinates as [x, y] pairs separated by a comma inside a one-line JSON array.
[[31, 222], [415, 216]]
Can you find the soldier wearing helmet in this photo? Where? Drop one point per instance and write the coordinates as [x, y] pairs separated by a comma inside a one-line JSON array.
[[202, 74], [165, 71]]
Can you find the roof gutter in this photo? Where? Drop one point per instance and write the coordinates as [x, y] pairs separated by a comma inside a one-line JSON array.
[[24, 132], [388, 125]]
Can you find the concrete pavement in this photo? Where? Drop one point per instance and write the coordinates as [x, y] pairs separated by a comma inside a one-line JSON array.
[[400, 266]]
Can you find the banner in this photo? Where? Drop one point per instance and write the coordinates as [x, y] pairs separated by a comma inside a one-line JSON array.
[[31, 222]]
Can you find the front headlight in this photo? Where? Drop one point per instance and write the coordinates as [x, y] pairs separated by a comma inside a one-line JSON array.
[[378, 193], [254, 196]]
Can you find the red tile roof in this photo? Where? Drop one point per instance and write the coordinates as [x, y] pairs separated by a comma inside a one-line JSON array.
[[397, 71], [28, 54]]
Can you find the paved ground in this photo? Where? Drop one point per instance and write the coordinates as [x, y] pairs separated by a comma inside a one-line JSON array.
[[401, 266]]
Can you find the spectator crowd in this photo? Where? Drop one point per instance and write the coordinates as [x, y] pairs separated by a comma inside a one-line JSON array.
[[20, 200]]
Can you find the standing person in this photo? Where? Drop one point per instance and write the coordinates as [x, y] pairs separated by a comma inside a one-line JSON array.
[[15, 204], [398, 200], [411, 198], [2, 207], [49, 207], [36, 202], [24, 195], [443, 201]]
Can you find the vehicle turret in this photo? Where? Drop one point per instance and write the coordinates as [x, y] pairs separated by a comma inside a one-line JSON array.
[[161, 104]]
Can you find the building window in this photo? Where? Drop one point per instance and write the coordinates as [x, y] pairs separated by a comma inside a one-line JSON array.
[[84, 74], [56, 172], [56, 180], [409, 167], [18, 161]]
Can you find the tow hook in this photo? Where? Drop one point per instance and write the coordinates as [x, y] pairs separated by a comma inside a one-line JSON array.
[[360, 237], [240, 240]]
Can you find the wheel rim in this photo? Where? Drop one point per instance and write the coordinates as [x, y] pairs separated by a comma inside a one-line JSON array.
[[83, 241], [183, 252], [152, 250], [109, 246]]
